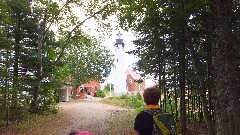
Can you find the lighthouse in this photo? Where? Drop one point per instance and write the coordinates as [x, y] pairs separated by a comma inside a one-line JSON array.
[[119, 75]]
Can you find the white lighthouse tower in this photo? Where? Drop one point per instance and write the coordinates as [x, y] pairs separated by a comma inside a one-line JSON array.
[[119, 75]]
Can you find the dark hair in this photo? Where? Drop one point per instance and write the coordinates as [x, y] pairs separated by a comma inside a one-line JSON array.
[[72, 133], [151, 96]]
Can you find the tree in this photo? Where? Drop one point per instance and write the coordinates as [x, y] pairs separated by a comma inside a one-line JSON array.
[[32, 50], [18, 28], [160, 29], [225, 68], [190, 52], [87, 60], [49, 13], [109, 86]]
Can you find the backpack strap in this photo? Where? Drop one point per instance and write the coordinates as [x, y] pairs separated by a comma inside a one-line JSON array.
[[159, 123], [155, 113]]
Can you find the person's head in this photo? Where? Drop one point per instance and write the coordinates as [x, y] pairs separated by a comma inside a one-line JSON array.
[[151, 96]]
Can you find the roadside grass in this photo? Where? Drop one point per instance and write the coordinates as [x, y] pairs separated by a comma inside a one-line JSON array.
[[125, 101], [33, 122], [116, 102], [37, 124], [123, 122]]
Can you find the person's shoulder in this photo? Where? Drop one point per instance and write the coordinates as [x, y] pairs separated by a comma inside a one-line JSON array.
[[144, 113]]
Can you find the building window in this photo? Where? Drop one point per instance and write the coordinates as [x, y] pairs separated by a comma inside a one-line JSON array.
[[130, 81]]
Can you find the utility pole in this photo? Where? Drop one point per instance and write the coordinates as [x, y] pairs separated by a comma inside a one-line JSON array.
[[110, 89]]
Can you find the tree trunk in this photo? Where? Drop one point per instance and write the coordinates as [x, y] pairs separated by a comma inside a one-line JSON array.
[[226, 90], [164, 89], [207, 114], [201, 71], [39, 68], [6, 90], [175, 91], [16, 58], [74, 91], [182, 64], [41, 36]]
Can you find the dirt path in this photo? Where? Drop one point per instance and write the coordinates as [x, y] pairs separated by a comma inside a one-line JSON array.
[[87, 114]]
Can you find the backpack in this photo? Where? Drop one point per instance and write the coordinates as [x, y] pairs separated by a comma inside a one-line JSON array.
[[163, 123]]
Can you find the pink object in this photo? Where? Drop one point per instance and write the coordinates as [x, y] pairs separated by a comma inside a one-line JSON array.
[[84, 133]]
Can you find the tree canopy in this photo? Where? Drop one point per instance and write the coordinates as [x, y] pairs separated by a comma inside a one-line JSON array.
[[42, 43], [183, 44]]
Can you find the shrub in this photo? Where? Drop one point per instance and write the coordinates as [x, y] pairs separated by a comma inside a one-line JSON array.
[[129, 101], [100, 93], [139, 96]]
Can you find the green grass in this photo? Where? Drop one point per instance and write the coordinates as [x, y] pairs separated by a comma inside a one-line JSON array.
[[116, 102], [122, 123], [125, 101], [33, 121], [37, 124]]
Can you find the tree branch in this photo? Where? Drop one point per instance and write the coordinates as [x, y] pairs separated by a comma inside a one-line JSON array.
[[77, 26], [56, 16], [45, 14]]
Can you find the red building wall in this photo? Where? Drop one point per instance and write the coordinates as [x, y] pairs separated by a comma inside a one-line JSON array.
[[87, 88], [133, 86]]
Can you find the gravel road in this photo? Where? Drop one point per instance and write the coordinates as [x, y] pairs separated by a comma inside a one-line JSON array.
[[87, 114]]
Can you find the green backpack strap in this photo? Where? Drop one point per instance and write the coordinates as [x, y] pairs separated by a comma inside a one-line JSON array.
[[163, 128], [157, 122]]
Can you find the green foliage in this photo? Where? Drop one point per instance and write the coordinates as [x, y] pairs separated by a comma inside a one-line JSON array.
[[116, 102], [107, 87], [33, 121], [173, 44], [87, 60], [139, 96], [100, 93], [139, 80], [138, 110], [32, 57], [122, 122], [132, 100], [18, 112], [2, 123]]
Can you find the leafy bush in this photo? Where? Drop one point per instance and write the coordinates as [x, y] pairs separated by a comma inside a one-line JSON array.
[[139, 96], [108, 85], [133, 101], [100, 93], [127, 101], [19, 112], [138, 110]]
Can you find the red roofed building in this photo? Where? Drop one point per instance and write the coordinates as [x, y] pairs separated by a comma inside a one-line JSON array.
[[134, 83], [89, 88]]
